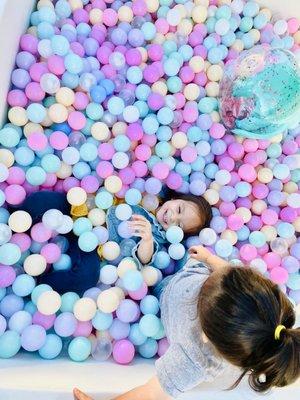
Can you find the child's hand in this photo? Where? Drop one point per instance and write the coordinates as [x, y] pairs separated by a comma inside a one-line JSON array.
[[200, 253], [141, 227], [78, 395]]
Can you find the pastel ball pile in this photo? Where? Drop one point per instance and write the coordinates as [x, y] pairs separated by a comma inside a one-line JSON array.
[[111, 102]]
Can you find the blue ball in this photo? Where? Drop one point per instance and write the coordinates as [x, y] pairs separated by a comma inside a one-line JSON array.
[[176, 251], [98, 94], [132, 280], [9, 254], [115, 105], [11, 304], [73, 63], [88, 241], [52, 347], [36, 112], [19, 321], [133, 197], [136, 336], [149, 305], [162, 260], [79, 349], [10, 344], [64, 263], [149, 348], [104, 199], [38, 290], [108, 85], [102, 321], [36, 176], [149, 325], [23, 285], [9, 137], [174, 234], [82, 225], [68, 300]]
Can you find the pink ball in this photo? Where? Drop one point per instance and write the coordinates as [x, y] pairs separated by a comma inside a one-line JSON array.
[[16, 176], [133, 57], [279, 275], [106, 151], [7, 276], [227, 208], [59, 140], [70, 183], [56, 64], [109, 17], [134, 131], [235, 222], [37, 70], [143, 152], [293, 25], [123, 351], [50, 181], [189, 154], [260, 191], [22, 240], [155, 52], [84, 328], [288, 214], [174, 180], [226, 163], [127, 175], [15, 194], [272, 260], [34, 92], [139, 294], [247, 173], [269, 217], [149, 140], [76, 120], [51, 252], [217, 131], [29, 43], [248, 252], [81, 101], [105, 169], [140, 168], [46, 321], [163, 346], [160, 170], [17, 97], [90, 184], [236, 151], [40, 233], [250, 145], [37, 141]]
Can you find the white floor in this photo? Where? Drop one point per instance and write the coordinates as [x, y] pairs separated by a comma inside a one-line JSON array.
[[27, 377]]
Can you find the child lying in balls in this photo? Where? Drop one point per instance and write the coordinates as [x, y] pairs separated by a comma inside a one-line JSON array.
[[212, 312], [188, 212]]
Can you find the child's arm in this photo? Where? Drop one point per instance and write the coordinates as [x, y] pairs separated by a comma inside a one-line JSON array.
[[150, 391], [142, 228], [200, 253]]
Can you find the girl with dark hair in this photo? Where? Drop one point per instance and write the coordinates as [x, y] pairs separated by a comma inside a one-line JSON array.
[[213, 311]]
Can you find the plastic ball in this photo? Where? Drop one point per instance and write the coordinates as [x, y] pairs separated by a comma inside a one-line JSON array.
[[84, 309], [123, 352], [10, 344], [49, 302], [33, 337], [102, 349], [35, 264], [52, 347], [79, 349], [20, 221], [110, 250]]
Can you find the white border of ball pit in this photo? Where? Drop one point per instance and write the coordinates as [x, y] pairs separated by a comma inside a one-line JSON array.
[[28, 377]]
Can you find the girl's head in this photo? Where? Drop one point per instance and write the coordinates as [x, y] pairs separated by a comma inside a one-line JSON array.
[[191, 213], [239, 311]]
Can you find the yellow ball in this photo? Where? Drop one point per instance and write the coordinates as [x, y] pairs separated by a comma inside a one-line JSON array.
[[269, 232], [152, 5], [18, 116], [296, 224], [290, 187], [65, 171], [113, 184], [244, 213], [108, 301], [179, 140], [215, 116], [35, 265], [199, 14], [20, 221], [97, 216], [100, 131], [212, 196], [230, 236], [31, 127], [96, 16], [65, 96], [6, 157], [267, 12], [110, 250], [174, 17], [150, 275], [76, 196], [127, 264], [119, 292], [258, 206], [49, 302], [297, 37], [255, 35], [44, 3], [58, 113], [265, 175], [143, 53], [160, 87], [212, 89], [238, 45], [75, 4], [32, 30], [214, 185], [215, 73], [197, 64], [84, 309], [125, 14], [204, 3], [119, 128], [191, 91], [159, 38], [185, 27], [277, 138]]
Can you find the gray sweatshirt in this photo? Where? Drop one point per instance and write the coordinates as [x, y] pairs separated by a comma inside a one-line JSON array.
[[189, 360]]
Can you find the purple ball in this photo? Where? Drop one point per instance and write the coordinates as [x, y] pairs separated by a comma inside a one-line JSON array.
[[204, 122], [10, 304], [127, 310], [92, 293], [118, 37], [90, 46], [7, 276], [197, 187], [65, 324], [294, 251], [193, 241], [20, 78], [135, 38], [33, 337], [101, 233], [119, 330], [24, 60], [153, 186], [3, 325]]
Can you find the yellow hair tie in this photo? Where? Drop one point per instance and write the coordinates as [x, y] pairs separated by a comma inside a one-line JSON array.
[[278, 331]]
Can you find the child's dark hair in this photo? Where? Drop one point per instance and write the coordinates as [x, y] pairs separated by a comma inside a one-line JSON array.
[[203, 206], [239, 315]]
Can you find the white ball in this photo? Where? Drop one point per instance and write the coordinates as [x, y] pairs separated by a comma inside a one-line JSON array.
[[97, 216], [119, 292], [208, 236], [20, 221], [108, 274], [76, 196], [49, 302], [127, 264], [53, 219], [110, 250], [66, 226], [150, 275], [84, 309], [123, 212], [108, 301], [35, 264], [5, 233], [113, 184], [4, 173]]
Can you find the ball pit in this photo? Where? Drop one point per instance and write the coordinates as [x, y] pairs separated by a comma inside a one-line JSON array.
[[118, 101]]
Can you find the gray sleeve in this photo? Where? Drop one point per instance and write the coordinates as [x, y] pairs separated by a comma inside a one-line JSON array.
[[177, 372]]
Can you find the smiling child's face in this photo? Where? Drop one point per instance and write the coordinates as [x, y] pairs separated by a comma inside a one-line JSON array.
[[182, 213]]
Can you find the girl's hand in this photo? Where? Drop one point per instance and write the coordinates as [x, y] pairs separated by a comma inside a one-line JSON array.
[[141, 227], [78, 395], [200, 253]]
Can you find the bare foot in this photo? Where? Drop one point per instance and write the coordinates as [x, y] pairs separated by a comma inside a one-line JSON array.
[[78, 395]]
